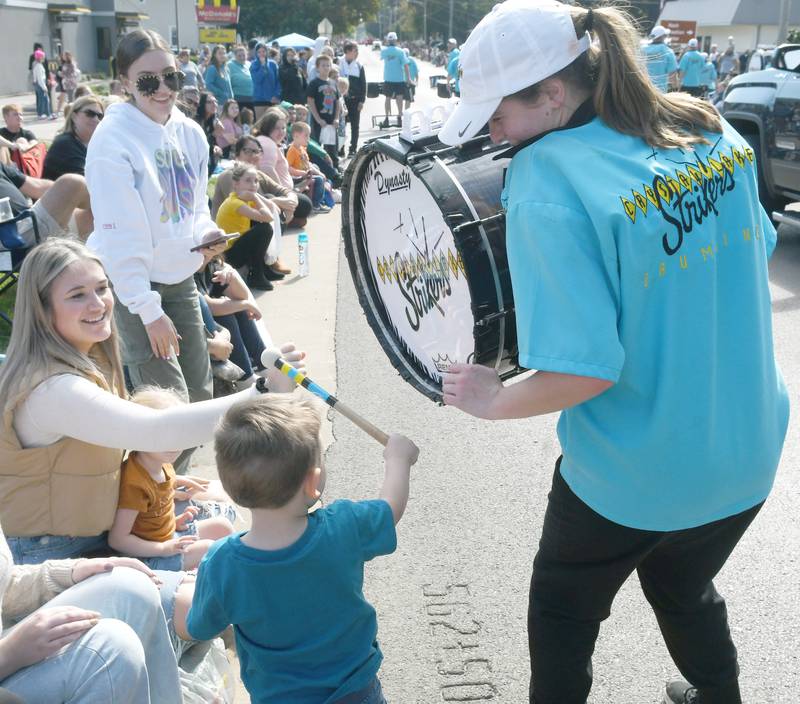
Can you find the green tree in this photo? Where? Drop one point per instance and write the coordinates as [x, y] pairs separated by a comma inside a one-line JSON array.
[[270, 18]]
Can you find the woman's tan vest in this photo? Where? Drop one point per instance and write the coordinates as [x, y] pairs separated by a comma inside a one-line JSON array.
[[67, 488]]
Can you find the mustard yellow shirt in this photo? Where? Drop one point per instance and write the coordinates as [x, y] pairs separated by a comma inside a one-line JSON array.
[[229, 219]]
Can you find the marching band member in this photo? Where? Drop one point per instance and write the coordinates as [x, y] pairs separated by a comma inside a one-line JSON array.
[[638, 254]]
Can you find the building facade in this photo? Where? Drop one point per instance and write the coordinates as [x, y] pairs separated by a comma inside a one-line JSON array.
[[90, 29], [750, 23]]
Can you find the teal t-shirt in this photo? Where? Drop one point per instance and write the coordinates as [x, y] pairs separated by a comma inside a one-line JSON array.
[[648, 268], [394, 59], [661, 62], [413, 70], [709, 75], [304, 631], [691, 67]]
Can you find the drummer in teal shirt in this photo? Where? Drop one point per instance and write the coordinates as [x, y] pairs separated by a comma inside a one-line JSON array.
[[692, 66], [638, 259], [660, 59]]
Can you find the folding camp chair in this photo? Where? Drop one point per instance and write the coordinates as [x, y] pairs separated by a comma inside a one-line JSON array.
[[13, 250]]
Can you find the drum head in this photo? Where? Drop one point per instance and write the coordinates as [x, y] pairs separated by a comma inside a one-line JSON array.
[[408, 271]]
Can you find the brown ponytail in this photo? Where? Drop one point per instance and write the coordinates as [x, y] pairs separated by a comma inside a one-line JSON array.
[[612, 70]]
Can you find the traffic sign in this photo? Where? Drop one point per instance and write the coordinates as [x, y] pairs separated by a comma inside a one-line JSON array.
[[325, 28]]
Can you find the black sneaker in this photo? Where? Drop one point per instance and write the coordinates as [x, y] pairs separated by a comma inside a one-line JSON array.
[[680, 692], [258, 282], [271, 275]]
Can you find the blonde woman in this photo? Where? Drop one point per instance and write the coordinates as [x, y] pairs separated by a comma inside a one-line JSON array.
[[638, 254], [66, 415], [67, 153]]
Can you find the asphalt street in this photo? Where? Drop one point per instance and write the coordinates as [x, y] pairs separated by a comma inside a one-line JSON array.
[[452, 600]]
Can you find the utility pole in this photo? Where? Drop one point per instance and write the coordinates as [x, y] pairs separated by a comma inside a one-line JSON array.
[[177, 27], [450, 20], [783, 23]]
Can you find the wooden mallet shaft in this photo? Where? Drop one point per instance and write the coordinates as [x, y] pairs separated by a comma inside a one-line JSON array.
[[272, 358]]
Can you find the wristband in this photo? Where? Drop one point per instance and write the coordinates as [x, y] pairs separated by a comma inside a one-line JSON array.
[[261, 385]]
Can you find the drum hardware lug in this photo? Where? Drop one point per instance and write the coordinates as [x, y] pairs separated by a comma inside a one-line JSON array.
[[414, 158], [489, 319], [473, 223]]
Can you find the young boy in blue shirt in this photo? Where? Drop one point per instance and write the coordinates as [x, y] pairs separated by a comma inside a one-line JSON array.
[[292, 585]]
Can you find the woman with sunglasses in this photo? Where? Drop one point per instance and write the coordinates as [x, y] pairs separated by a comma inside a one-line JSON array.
[[147, 172], [67, 153]]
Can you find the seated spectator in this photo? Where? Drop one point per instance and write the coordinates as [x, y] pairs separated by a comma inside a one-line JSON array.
[[115, 88], [206, 116], [230, 120], [14, 137], [83, 90], [219, 351], [249, 213], [247, 117], [145, 525], [316, 153], [57, 202], [294, 207], [67, 153], [188, 101], [270, 131], [300, 166], [63, 396], [103, 639], [233, 306]]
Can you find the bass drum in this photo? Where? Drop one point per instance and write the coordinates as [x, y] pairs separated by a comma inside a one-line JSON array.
[[424, 237]]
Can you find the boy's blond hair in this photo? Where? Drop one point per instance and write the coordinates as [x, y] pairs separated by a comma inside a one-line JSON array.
[[301, 127], [11, 107], [156, 397], [265, 448]]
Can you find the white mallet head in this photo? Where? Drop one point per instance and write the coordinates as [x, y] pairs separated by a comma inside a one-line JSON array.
[[269, 357]]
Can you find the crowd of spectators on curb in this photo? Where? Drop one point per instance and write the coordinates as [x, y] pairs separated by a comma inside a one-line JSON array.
[[175, 189]]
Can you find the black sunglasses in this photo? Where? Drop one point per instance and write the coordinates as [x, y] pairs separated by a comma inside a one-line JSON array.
[[149, 83], [93, 113]]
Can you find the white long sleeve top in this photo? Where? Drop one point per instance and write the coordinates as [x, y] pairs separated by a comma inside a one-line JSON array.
[[72, 406], [39, 75], [147, 183]]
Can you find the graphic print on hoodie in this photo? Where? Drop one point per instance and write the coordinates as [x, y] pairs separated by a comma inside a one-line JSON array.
[[178, 182]]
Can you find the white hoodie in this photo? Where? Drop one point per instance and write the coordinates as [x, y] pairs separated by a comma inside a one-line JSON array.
[[147, 184]]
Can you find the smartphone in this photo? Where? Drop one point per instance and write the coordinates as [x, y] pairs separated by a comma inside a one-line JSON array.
[[232, 237]]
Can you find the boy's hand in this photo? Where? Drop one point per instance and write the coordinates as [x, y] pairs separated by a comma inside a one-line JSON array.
[[400, 449], [186, 487], [182, 521], [176, 546]]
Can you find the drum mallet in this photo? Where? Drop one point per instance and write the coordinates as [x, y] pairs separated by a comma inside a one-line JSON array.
[[272, 358]]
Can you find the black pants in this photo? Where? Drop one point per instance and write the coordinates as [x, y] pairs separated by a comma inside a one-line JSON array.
[[250, 248], [354, 118], [582, 562]]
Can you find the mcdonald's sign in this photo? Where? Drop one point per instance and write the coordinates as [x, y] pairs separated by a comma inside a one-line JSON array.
[[218, 11]]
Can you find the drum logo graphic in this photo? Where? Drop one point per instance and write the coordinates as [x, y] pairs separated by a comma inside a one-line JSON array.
[[417, 268]]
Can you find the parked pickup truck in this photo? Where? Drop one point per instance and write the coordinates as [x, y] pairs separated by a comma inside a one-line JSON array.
[[764, 106]]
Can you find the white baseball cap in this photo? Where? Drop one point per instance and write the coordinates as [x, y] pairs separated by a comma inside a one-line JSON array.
[[391, 37], [692, 43], [659, 31], [543, 38]]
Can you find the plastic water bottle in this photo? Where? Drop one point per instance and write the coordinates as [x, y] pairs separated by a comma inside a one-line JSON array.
[[302, 254]]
